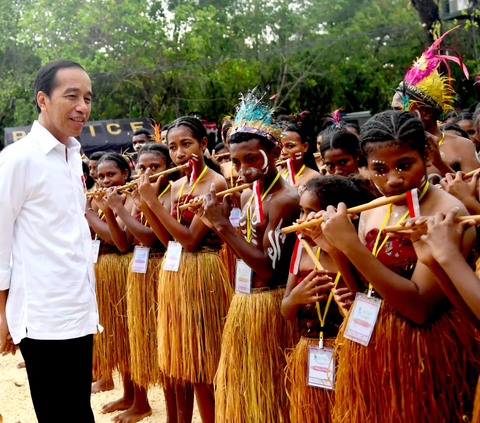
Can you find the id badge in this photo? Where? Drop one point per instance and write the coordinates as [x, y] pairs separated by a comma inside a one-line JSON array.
[[243, 278], [321, 368], [235, 217], [140, 259], [95, 250], [363, 318], [173, 256]]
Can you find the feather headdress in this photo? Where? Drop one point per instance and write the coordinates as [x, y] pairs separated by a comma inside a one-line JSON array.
[[255, 117], [424, 84], [157, 130], [335, 117]]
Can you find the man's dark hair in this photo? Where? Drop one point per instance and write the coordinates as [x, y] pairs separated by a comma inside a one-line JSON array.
[[45, 80], [142, 131], [97, 155], [239, 137]]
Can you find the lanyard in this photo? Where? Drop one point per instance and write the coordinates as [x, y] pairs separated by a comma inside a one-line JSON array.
[[317, 305], [160, 196], [249, 223], [179, 216], [443, 139], [285, 173], [231, 174], [376, 249]]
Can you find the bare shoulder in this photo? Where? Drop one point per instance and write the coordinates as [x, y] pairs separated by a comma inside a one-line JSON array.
[[441, 201], [218, 180], [285, 196]]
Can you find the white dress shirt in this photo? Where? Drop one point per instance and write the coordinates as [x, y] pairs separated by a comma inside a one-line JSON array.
[[43, 229]]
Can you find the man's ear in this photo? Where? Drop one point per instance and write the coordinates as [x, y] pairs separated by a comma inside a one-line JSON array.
[[276, 151], [427, 156], [305, 146], [42, 100], [204, 143], [428, 114]]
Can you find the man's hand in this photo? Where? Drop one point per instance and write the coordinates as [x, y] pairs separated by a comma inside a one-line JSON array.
[[6, 342]]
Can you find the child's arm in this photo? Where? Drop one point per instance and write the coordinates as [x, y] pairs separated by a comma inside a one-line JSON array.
[[97, 224], [306, 292], [416, 299], [445, 240], [258, 259], [188, 237]]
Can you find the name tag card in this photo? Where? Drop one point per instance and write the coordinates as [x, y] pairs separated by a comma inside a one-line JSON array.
[[243, 278], [173, 256], [235, 217], [140, 259], [95, 250], [321, 368], [362, 319]]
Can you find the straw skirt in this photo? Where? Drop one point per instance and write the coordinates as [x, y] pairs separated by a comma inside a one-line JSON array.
[[111, 347], [408, 373], [192, 307], [307, 404], [250, 382], [142, 323]]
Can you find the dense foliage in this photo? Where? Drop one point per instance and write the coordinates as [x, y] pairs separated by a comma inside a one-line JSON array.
[[165, 58]]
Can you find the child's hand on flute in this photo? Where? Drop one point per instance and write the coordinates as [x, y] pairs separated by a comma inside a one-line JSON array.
[[466, 192], [315, 287], [149, 190]]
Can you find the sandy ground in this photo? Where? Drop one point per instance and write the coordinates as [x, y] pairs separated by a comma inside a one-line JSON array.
[[16, 404]]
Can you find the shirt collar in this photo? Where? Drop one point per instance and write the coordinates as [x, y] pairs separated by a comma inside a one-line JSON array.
[[48, 142]]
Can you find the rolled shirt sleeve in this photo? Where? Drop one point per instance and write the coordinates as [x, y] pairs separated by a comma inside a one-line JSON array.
[[12, 189]]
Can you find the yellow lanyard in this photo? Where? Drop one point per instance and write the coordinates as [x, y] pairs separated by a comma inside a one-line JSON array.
[[179, 216], [317, 305], [443, 139], [376, 249], [101, 215], [160, 196], [285, 173], [231, 174], [249, 223]]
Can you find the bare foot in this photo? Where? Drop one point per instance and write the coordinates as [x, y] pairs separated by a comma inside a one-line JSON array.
[[133, 415], [120, 404], [102, 385], [21, 365]]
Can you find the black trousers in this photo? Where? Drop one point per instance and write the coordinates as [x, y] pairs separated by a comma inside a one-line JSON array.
[[60, 378]]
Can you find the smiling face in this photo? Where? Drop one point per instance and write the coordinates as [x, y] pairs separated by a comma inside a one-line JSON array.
[[395, 169], [156, 162], [110, 175], [292, 147], [340, 163], [66, 111], [252, 161], [183, 146]]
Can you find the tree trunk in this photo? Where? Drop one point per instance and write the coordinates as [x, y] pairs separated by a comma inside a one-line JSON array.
[[428, 13]]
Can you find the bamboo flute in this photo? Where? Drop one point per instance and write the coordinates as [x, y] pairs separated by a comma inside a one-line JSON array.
[[219, 194], [466, 176], [358, 209], [216, 156], [317, 155], [319, 266], [400, 228], [133, 184]]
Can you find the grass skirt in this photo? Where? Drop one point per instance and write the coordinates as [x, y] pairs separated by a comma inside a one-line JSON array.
[[408, 373], [229, 259], [192, 307], [307, 404], [111, 347], [476, 408], [142, 323], [250, 382]]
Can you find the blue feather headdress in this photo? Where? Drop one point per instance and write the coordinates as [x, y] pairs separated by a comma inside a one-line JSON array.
[[255, 117]]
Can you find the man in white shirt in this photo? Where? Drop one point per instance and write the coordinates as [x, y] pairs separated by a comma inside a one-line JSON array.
[[47, 284]]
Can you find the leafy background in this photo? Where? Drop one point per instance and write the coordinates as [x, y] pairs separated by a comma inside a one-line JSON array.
[[164, 59]]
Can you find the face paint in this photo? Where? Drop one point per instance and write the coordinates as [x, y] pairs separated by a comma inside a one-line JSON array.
[[378, 188], [265, 162], [194, 157], [275, 237]]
